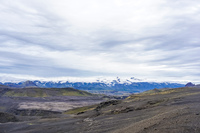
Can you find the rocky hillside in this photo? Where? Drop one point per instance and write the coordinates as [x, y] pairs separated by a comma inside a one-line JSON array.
[[155, 111]]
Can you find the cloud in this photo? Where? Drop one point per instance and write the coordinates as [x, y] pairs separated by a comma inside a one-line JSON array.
[[150, 39]]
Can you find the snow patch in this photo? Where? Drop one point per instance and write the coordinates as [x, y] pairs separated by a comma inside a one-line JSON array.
[[110, 81]]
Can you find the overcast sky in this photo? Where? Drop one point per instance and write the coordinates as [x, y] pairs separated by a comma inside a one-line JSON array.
[[157, 39]]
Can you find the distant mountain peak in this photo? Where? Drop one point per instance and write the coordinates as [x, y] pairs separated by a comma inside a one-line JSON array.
[[189, 84], [29, 83], [133, 78]]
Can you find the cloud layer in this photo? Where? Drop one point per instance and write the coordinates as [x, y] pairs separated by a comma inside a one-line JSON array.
[[151, 39]]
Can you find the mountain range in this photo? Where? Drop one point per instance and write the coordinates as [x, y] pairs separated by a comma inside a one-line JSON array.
[[116, 86]]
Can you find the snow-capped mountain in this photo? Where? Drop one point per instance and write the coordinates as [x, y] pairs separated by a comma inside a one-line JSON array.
[[110, 86]]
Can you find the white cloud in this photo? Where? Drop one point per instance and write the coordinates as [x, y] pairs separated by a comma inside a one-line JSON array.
[[92, 37]]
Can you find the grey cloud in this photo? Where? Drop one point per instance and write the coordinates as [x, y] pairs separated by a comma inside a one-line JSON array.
[[44, 71], [175, 43], [30, 65], [43, 30], [113, 43]]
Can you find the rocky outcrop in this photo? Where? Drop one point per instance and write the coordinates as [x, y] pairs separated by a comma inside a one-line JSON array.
[[6, 117], [107, 103]]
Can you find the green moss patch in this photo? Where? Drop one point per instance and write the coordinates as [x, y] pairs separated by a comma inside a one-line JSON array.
[[45, 92]]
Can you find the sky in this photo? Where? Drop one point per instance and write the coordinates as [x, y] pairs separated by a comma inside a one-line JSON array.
[[154, 39]]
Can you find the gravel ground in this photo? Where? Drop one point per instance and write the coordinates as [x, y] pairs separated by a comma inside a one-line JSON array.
[[176, 111]]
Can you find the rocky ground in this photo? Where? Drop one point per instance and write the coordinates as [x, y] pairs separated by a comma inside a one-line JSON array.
[[156, 111]]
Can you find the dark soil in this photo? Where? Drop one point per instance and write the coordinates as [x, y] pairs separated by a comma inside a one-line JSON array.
[[6, 117], [163, 111]]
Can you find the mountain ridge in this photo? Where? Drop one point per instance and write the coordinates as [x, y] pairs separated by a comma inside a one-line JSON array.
[[117, 86]]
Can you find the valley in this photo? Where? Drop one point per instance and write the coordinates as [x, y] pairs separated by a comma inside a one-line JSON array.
[[154, 111]]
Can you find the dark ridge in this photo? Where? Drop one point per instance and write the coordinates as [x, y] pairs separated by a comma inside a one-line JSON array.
[[34, 112], [190, 84]]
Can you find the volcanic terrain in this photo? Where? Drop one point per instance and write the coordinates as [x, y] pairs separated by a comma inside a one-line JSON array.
[[155, 111]]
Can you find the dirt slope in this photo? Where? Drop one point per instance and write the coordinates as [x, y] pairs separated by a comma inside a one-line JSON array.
[[163, 111]]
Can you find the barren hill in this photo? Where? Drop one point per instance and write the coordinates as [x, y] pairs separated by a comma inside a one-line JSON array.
[[157, 111]]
